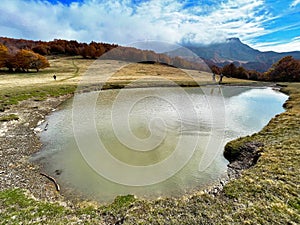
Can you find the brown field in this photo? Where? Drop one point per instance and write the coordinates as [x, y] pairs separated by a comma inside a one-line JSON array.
[[71, 70]]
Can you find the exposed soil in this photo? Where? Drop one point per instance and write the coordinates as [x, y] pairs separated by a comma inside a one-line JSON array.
[[18, 141], [248, 154]]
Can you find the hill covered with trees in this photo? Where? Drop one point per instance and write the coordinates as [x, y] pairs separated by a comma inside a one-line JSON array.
[[22, 55], [58, 47]]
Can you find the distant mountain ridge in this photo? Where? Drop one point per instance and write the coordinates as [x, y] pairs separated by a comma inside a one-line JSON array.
[[234, 51]]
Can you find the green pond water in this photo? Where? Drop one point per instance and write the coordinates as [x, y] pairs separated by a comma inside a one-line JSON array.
[[149, 142]]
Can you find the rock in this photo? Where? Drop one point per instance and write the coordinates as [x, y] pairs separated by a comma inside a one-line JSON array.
[[40, 122], [58, 172], [37, 130]]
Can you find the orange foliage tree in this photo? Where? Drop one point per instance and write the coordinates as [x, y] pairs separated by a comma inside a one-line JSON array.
[[286, 69], [39, 63], [27, 59], [3, 55]]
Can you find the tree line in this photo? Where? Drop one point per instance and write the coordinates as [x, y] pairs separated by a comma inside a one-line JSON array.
[[286, 69], [137, 55], [20, 54], [58, 47]]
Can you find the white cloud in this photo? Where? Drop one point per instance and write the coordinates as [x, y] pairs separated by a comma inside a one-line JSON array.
[[295, 3], [287, 46], [120, 22]]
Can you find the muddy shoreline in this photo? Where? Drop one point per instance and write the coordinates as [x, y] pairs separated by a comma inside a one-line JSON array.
[[18, 141]]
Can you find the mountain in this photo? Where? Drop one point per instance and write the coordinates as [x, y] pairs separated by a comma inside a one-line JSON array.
[[234, 51]]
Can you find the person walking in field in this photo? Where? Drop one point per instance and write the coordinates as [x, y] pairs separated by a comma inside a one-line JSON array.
[[214, 77], [221, 78]]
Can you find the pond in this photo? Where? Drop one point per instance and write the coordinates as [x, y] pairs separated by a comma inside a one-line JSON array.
[[149, 142]]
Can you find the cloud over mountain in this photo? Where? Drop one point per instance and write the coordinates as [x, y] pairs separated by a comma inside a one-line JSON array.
[[126, 21]]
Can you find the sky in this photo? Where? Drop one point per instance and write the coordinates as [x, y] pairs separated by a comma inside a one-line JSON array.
[[262, 24]]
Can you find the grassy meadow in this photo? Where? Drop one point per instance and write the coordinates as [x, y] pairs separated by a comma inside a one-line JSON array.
[[267, 193], [15, 87]]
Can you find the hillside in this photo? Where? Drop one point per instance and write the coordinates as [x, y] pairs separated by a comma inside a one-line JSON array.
[[233, 50], [9, 47]]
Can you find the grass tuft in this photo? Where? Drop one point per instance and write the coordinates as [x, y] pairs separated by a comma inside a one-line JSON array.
[[9, 117]]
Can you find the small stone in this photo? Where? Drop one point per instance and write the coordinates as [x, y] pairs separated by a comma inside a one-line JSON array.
[[64, 204], [37, 130], [40, 122], [14, 217]]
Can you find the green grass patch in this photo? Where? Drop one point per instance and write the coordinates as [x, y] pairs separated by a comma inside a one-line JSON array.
[[122, 201], [17, 208], [9, 117], [14, 96]]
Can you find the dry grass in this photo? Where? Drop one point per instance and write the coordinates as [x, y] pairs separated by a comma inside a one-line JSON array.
[[269, 192], [154, 73], [67, 70], [71, 71], [15, 87]]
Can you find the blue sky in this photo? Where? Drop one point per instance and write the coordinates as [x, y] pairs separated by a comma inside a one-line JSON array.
[[262, 24]]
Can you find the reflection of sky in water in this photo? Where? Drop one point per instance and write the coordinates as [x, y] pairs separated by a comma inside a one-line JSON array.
[[247, 111]]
